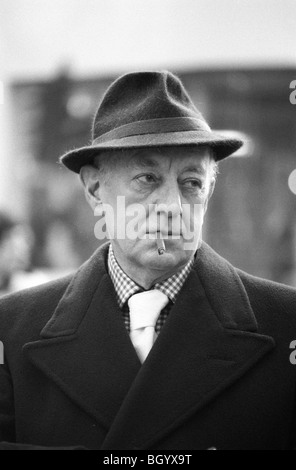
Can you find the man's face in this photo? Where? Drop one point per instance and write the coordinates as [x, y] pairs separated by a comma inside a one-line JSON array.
[[172, 187]]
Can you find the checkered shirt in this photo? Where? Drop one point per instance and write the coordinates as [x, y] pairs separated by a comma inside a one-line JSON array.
[[125, 287]]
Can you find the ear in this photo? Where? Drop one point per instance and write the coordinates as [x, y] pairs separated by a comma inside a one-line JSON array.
[[90, 178]]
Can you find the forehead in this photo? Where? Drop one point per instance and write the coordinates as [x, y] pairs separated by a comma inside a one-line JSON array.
[[178, 157]]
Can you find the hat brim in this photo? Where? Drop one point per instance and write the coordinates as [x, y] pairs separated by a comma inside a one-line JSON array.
[[222, 147]]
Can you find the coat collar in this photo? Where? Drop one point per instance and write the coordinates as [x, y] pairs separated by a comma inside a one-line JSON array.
[[208, 342], [218, 278]]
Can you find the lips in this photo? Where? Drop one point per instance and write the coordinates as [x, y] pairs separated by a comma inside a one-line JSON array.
[[165, 234]]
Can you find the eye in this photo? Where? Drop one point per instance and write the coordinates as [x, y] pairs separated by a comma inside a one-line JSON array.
[[147, 178], [193, 183]]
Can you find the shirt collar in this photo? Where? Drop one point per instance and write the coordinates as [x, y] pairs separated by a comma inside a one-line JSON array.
[[125, 287]]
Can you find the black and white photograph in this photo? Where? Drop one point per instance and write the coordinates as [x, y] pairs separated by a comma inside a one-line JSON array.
[[147, 227]]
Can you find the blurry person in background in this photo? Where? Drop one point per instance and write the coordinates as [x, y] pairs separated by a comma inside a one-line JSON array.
[[15, 251], [16, 246], [156, 342]]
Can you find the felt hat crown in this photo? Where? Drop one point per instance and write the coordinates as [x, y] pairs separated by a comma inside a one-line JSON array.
[[148, 109]]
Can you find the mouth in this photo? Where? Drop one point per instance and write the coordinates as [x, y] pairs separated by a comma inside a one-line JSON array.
[[164, 235]]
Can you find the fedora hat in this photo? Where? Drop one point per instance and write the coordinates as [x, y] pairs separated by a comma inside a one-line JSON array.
[[148, 109]]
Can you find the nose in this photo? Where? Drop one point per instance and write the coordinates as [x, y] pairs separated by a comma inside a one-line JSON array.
[[168, 199], [168, 208]]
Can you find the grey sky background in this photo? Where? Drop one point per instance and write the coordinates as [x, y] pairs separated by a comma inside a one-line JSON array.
[[110, 36]]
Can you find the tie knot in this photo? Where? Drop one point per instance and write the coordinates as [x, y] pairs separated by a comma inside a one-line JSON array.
[[145, 308]]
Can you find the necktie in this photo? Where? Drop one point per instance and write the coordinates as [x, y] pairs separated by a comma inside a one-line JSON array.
[[145, 308]]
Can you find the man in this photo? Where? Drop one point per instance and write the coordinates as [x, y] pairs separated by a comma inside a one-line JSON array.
[[86, 365]]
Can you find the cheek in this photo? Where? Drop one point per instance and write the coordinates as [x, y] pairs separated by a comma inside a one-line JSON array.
[[109, 192], [192, 221], [120, 189], [192, 227], [124, 221]]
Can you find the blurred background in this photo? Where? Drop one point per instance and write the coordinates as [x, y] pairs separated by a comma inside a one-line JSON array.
[[237, 59]]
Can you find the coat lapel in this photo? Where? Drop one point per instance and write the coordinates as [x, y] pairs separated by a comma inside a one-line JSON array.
[[85, 348], [207, 343]]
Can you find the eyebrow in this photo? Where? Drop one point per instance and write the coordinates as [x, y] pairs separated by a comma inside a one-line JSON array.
[[195, 169], [146, 162]]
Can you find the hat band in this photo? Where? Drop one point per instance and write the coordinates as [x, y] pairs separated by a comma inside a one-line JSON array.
[[154, 126]]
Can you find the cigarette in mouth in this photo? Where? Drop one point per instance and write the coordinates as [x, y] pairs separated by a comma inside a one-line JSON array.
[[160, 244]]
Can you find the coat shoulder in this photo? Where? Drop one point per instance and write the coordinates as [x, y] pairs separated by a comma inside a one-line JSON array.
[[30, 309], [265, 286], [271, 301]]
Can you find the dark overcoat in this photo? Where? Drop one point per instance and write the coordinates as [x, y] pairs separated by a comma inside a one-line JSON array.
[[219, 374]]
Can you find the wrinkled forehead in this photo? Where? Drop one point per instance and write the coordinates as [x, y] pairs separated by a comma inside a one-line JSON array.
[[177, 157]]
